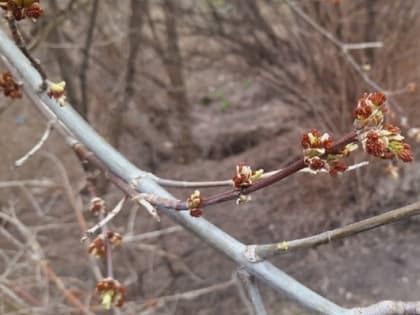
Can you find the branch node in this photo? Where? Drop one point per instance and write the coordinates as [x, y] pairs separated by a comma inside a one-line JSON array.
[[90, 232], [329, 236], [251, 254], [147, 205]]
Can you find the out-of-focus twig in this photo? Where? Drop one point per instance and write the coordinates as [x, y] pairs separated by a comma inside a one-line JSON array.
[[36, 183], [38, 256], [37, 146], [366, 45], [151, 235], [84, 68], [250, 284], [343, 47], [150, 306], [106, 219], [17, 37], [74, 201]]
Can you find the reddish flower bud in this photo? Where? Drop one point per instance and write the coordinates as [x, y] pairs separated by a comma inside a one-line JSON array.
[[194, 204], [97, 206], [114, 238], [315, 140], [393, 129], [406, 155], [387, 143], [318, 155], [377, 98], [370, 110], [316, 164], [112, 292], [34, 11], [97, 247], [9, 86], [374, 146], [196, 213], [21, 9], [245, 176], [336, 168]]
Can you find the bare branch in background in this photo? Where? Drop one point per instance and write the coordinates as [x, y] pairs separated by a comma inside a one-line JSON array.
[[37, 146], [84, 68], [117, 110], [151, 235], [250, 284], [264, 251], [118, 207]]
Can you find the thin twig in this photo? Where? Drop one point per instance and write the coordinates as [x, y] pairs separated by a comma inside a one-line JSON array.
[[227, 182], [73, 199], [168, 256], [37, 146], [150, 235], [388, 308], [60, 16], [75, 202], [31, 199], [38, 257], [86, 57], [12, 295], [191, 184], [189, 295], [224, 183], [90, 232], [36, 183], [250, 284], [273, 177], [266, 250], [343, 47], [363, 45], [17, 37], [85, 155], [148, 206]]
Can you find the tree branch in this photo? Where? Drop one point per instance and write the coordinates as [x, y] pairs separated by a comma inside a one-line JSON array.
[[264, 251], [389, 308], [253, 292], [86, 57]]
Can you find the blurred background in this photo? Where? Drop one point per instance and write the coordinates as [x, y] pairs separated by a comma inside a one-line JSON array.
[[186, 90]]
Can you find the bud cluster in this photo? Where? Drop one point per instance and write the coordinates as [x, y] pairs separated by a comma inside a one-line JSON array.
[[57, 91], [387, 143], [112, 292], [98, 249], [318, 156], [381, 141], [97, 206], [370, 110], [194, 203], [21, 9], [245, 176], [9, 86]]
